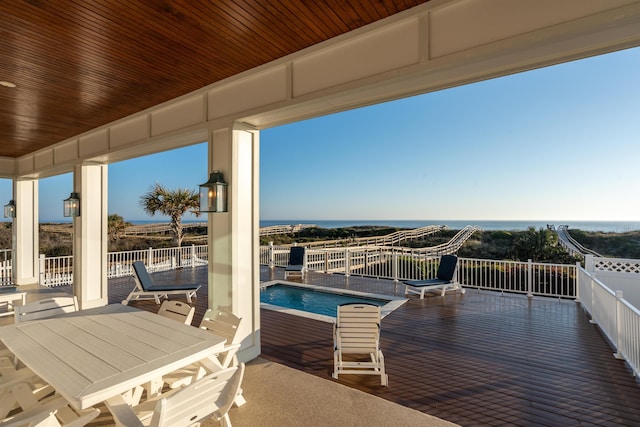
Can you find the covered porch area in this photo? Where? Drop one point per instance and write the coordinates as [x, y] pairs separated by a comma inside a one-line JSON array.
[[482, 358]]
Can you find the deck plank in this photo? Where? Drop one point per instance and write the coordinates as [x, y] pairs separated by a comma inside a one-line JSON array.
[[476, 359]]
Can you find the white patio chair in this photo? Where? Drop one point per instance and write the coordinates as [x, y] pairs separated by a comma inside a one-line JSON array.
[[356, 335], [53, 411], [177, 310], [221, 323], [44, 308], [14, 394], [210, 396]]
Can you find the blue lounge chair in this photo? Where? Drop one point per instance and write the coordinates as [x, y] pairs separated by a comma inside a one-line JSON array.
[[146, 289], [297, 262], [445, 279]]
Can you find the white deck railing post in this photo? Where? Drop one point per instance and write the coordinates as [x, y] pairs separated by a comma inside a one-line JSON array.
[[577, 282], [589, 264], [150, 258], [272, 262], [326, 262], [394, 266], [193, 255], [593, 297], [619, 324], [41, 269], [529, 278], [347, 268]]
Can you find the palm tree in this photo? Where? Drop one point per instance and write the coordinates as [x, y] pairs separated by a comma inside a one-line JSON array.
[[173, 203], [116, 226]]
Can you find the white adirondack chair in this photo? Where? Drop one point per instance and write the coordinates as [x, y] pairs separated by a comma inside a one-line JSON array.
[[356, 335]]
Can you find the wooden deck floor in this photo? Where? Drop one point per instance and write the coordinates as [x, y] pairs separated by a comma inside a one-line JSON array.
[[478, 359]]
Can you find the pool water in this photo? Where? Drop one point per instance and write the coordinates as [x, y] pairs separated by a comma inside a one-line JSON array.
[[310, 300]]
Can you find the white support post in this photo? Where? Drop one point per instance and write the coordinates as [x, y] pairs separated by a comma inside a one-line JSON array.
[[619, 296], [326, 262], [347, 267], [589, 264], [41, 270], [233, 236], [577, 283], [90, 253], [529, 278], [25, 239], [593, 296], [394, 265], [150, 259], [272, 261], [193, 255]]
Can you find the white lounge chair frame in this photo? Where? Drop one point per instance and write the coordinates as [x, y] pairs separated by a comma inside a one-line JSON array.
[[297, 265], [146, 289], [446, 279], [356, 334], [41, 309]]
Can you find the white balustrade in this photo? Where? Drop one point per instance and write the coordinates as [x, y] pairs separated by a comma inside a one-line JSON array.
[[616, 317]]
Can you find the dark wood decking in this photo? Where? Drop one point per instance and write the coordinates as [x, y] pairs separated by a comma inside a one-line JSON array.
[[479, 359]]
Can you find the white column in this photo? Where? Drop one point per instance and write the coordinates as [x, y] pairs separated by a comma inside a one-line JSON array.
[[234, 273], [25, 232], [90, 236]]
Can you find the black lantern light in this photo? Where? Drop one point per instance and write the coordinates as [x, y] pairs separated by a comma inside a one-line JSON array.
[[10, 210], [72, 205], [213, 194]]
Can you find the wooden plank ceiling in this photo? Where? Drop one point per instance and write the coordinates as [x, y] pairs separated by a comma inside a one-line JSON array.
[[79, 64]]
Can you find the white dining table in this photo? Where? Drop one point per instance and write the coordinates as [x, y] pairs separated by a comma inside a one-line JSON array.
[[102, 354]]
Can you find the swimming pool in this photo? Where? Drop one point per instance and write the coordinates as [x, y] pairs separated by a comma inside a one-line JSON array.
[[319, 302]]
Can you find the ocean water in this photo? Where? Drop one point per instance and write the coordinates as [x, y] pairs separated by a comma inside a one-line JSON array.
[[606, 226]]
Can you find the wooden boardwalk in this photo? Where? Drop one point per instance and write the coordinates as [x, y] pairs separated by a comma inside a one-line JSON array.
[[478, 359]]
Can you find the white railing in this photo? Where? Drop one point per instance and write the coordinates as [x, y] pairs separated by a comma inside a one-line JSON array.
[[531, 278], [6, 267], [386, 240], [618, 319], [58, 271]]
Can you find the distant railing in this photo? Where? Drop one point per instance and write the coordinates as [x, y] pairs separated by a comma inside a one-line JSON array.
[[572, 245], [284, 229], [386, 240], [58, 271], [146, 229]]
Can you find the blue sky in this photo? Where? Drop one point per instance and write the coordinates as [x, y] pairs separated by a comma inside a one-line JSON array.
[[559, 143]]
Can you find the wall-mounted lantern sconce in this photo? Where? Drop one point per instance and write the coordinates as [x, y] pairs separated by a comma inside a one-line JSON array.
[[10, 209], [72, 205], [213, 194]]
